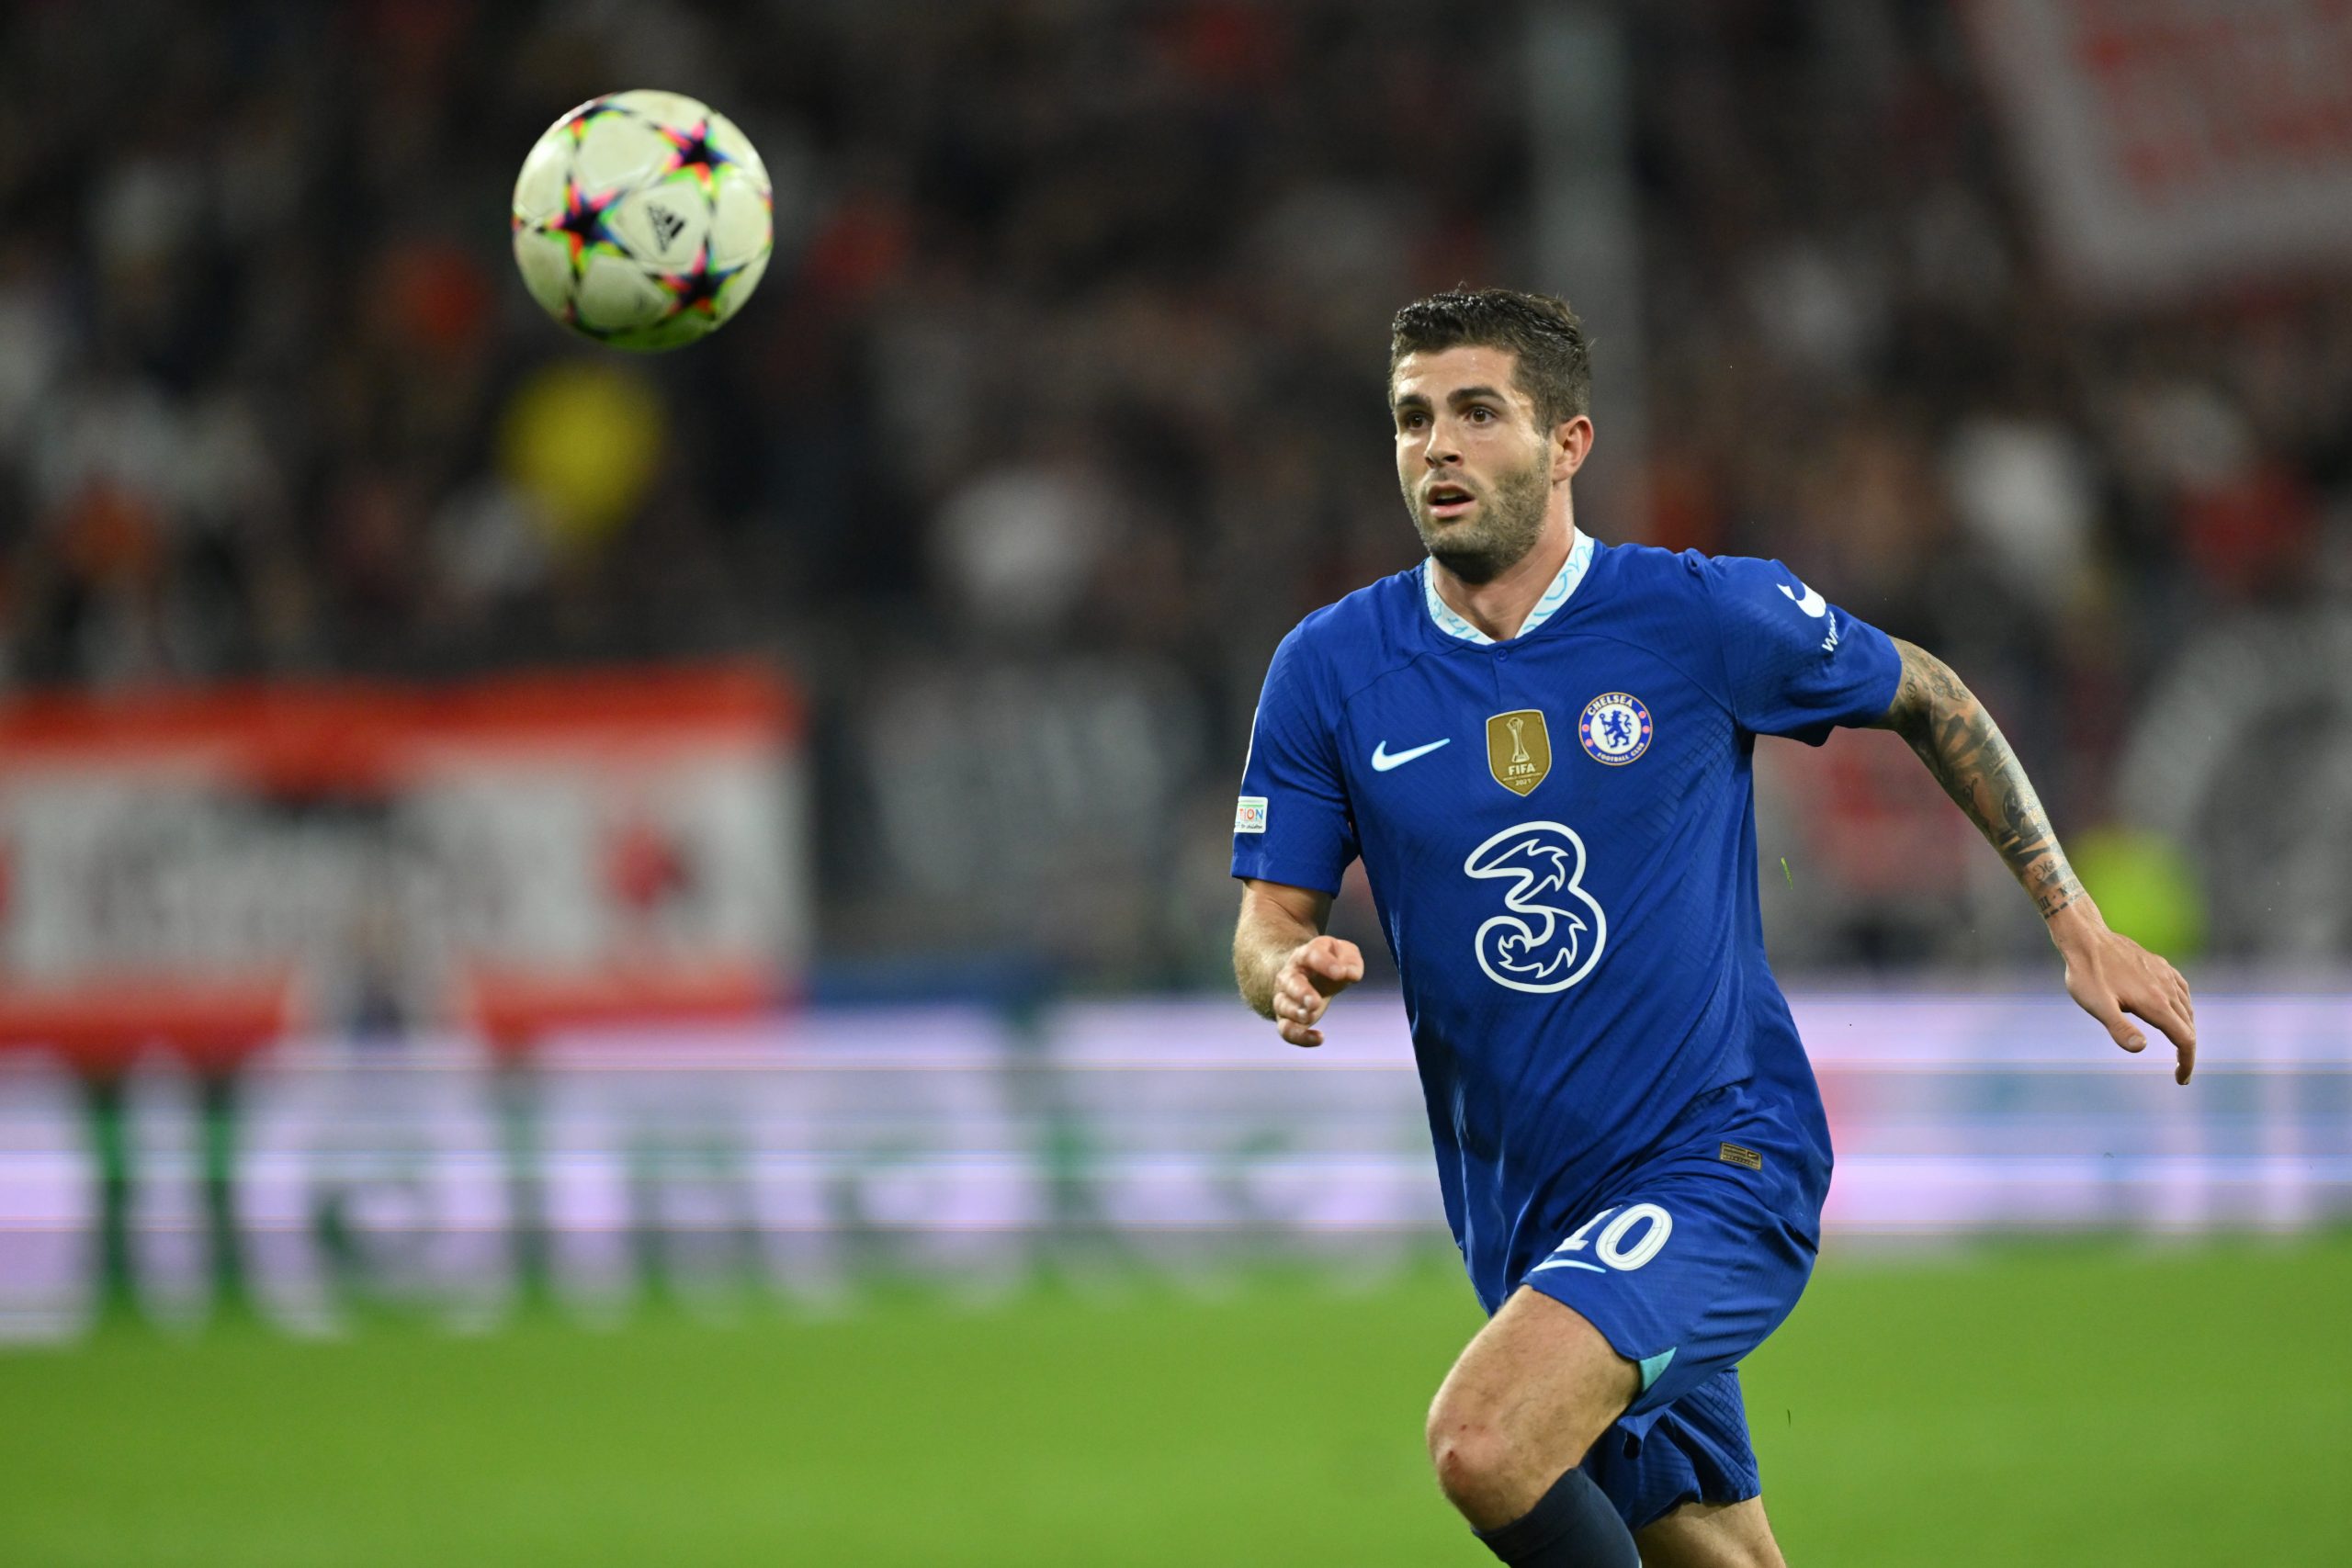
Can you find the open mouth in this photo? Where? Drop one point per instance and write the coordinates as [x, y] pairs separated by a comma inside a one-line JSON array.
[[1448, 499]]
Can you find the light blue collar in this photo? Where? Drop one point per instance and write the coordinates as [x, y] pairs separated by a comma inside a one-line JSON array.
[[1572, 573]]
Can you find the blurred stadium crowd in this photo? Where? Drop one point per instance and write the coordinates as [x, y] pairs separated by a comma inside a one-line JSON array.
[[1063, 402]]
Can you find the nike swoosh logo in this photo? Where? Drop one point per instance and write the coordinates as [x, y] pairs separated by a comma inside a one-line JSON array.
[[1813, 603], [1383, 759], [1567, 1263]]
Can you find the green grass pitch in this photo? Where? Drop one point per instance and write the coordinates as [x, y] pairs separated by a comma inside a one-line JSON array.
[[2083, 1405]]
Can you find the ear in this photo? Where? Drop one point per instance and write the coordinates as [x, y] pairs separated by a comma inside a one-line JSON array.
[[1571, 445]]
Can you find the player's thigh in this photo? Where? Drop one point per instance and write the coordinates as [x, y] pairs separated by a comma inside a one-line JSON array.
[[1683, 1274], [1711, 1535], [1533, 1390]]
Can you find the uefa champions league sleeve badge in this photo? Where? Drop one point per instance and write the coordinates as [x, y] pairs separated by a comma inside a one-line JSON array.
[[1615, 729]]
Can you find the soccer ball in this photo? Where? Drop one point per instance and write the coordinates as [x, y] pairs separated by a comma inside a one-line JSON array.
[[642, 220]]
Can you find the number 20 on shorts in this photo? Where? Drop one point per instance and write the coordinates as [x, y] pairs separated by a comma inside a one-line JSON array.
[[1618, 1246]]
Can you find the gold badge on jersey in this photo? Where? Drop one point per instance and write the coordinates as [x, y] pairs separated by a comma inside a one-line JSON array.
[[1518, 750]]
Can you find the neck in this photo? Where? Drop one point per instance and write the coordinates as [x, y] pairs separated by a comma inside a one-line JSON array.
[[1499, 606]]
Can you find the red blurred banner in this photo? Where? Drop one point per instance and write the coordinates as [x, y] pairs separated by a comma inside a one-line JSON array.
[[208, 869], [2174, 143]]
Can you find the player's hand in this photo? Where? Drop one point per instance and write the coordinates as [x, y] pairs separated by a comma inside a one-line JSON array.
[[1317, 970], [2112, 975]]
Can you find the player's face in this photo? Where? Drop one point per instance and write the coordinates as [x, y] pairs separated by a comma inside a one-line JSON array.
[[1473, 462]]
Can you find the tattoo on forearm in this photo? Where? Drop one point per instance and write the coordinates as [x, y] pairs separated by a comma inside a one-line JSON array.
[[1963, 747]]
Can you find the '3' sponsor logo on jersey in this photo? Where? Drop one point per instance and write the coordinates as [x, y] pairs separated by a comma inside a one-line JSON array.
[[1550, 931]]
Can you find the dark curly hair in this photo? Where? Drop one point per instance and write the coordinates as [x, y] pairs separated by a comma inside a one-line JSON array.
[[1554, 363]]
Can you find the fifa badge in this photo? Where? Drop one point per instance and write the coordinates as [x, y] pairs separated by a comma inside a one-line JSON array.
[[1518, 750]]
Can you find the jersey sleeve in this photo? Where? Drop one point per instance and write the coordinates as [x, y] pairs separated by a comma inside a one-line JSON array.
[[1292, 824], [1794, 664]]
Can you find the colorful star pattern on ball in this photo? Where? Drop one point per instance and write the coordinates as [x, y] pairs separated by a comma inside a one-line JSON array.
[[581, 221], [577, 122], [697, 288], [692, 154]]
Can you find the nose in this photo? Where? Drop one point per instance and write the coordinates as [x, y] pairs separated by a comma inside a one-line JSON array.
[[1438, 449]]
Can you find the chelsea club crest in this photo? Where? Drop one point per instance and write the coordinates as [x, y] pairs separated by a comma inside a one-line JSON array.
[[1615, 729]]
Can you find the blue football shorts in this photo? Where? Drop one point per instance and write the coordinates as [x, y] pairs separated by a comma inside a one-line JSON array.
[[1685, 1264]]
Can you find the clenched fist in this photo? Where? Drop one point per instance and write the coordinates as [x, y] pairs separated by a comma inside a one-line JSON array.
[[1315, 971]]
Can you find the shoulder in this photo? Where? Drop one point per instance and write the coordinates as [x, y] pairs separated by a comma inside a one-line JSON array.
[[1692, 574], [1648, 569], [1732, 588], [1648, 593], [1361, 633]]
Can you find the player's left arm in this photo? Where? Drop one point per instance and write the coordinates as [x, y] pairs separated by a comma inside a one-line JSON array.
[[2108, 974]]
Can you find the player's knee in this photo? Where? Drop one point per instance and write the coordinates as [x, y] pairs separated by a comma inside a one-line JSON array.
[[1480, 1467]]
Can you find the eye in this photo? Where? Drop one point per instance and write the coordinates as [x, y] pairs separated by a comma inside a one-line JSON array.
[[1411, 419], [1479, 413]]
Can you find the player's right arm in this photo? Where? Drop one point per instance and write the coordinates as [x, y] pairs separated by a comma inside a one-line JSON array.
[[1293, 839], [1288, 969]]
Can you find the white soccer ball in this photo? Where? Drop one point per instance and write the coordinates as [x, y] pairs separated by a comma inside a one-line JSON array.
[[643, 219]]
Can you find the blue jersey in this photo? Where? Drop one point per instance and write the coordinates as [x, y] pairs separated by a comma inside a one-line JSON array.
[[1559, 832]]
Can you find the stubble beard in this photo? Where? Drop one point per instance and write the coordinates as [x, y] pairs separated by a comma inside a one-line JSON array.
[[1509, 522]]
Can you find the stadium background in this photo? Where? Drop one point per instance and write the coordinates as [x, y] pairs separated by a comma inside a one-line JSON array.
[[609, 959]]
